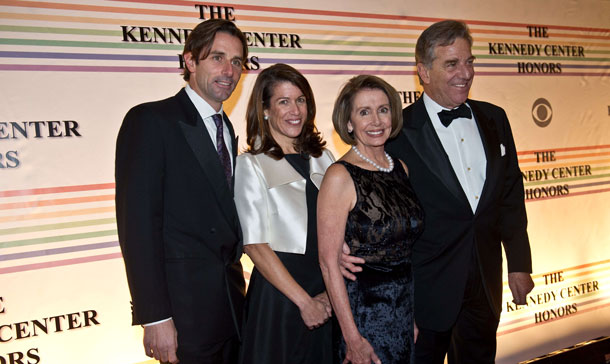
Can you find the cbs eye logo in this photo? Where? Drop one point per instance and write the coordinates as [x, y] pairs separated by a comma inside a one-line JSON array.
[[542, 112]]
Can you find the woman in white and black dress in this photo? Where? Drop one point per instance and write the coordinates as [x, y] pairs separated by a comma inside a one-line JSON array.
[[276, 186]]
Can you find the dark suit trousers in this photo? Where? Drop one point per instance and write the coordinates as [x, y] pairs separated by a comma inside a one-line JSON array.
[[224, 352], [472, 339]]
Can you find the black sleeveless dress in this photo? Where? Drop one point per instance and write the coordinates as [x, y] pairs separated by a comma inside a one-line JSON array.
[[381, 228], [273, 330]]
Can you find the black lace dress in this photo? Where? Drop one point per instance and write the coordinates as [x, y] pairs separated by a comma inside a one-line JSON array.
[[381, 228]]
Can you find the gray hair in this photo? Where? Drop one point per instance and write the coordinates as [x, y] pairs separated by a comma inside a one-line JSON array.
[[442, 34]]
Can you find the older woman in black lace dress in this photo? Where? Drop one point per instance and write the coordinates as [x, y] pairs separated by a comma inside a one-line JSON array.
[[366, 200]]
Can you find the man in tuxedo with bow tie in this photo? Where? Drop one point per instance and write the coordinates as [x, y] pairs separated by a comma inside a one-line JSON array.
[[463, 166], [177, 222]]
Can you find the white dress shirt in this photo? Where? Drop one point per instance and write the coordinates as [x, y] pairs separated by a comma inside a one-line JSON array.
[[462, 143], [206, 112]]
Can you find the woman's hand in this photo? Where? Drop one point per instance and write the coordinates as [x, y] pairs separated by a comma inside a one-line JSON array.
[[314, 313], [359, 351], [323, 299]]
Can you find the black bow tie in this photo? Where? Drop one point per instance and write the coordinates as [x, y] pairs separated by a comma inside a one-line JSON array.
[[447, 116]]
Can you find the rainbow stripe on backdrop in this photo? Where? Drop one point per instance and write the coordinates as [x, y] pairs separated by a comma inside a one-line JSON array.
[[584, 170], [586, 301], [59, 226], [37, 36]]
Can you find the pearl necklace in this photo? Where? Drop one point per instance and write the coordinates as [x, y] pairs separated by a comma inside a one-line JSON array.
[[379, 168]]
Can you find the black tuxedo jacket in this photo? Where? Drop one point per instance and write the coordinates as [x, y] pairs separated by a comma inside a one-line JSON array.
[[452, 232], [177, 222]]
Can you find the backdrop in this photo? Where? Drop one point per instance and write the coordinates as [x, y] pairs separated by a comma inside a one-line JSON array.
[[70, 70]]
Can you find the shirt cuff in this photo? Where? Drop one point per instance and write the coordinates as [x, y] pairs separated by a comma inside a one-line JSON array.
[[156, 322]]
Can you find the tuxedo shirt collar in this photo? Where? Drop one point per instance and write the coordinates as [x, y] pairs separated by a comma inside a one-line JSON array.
[[206, 111], [203, 108], [433, 108]]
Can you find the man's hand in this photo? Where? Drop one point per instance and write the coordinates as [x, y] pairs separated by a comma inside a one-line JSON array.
[[520, 285], [348, 264], [161, 341]]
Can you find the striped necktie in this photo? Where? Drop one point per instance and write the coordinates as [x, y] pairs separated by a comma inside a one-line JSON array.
[[221, 148]]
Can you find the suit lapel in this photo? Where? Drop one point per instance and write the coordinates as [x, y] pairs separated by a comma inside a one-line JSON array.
[[200, 142], [422, 136]]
